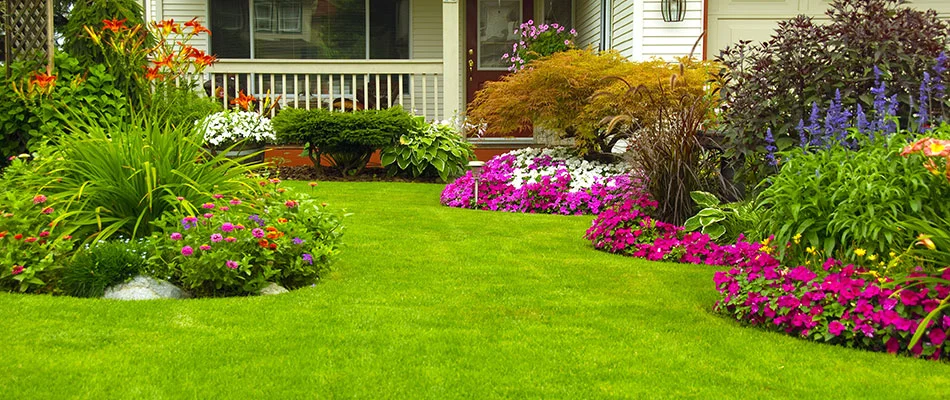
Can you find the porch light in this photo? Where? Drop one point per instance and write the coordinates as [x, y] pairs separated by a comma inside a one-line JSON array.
[[673, 10], [476, 167]]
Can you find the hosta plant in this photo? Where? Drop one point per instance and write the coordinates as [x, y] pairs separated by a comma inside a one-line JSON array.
[[434, 149]]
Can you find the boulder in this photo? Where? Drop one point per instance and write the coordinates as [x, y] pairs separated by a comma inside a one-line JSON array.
[[144, 288], [273, 288]]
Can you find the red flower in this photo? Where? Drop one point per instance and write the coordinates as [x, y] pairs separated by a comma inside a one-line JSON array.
[[3, 234], [165, 62], [18, 236], [167, 26], [67, 237], [272, 246], [39, 199], [152, 73], [114, 25], [244, 101], [17, 270], [30, 239], [44, 234], [263, 243], [48, 210], [43, 80]]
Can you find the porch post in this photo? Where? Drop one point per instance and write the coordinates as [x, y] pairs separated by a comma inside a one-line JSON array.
[[452, 58]]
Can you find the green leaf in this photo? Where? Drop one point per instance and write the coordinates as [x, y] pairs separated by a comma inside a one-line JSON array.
[[715, 231], [704, 199]]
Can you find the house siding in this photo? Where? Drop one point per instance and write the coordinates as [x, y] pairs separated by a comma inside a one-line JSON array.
[[184, 10], [587, 17], [671, 39], [622, 27]]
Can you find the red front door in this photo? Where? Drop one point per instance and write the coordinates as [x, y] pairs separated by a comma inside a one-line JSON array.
[[490, 33]]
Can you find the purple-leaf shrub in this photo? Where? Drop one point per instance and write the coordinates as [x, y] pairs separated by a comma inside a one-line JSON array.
[[845, 305]]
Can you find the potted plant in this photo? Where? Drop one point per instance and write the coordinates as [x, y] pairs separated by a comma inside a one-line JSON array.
[[240, 133]]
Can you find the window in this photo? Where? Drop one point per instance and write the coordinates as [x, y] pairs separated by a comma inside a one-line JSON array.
[[560, 12], [310, 29]]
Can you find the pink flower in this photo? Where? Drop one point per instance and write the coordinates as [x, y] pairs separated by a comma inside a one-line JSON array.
[[235, 202], [218, 196], [175, 236], [187, 251], [567, 42], [216, 237], [227, 227], [835, 328], [44, 234], [208, 215], [208, 206], [204, 247], [48, 210], [290, 203], [225, 208], [258, 233], [230, 239], [179, 198], [39, 199], [232, 264], [17, 270], [937, 336]]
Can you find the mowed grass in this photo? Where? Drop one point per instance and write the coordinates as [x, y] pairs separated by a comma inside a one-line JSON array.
[[433, 302]]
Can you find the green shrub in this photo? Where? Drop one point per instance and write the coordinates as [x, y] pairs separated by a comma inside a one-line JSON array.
[[429, 149], [118, 178], [722, 222], [91, 13], [236, 244], [347, 139], [96, 267], [774, 84], [842, 199]]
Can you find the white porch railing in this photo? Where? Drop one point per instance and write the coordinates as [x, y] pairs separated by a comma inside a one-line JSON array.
[[342, 85]]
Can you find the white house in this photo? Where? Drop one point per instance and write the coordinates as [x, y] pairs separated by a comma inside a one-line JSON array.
[[431, 55]]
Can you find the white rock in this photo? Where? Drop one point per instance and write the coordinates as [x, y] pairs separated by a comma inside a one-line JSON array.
[[273, 288], [144, 288]]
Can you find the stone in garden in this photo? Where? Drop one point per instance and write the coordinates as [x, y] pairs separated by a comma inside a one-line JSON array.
[[144, 288], [273, 288]]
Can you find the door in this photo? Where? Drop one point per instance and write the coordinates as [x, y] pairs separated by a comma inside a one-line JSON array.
[[490, 27]]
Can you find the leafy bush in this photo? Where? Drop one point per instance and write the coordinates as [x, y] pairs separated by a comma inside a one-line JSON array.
[[538, 41], [840, 199], [433, 149], [774, 84], [546, 181], [556, 94], [236, 245], [101, 265], [33, 243], [117, 178], [722, 222], [347, 139]]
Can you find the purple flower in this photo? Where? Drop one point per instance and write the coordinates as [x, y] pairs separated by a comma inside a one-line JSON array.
[[258, 233], [216, 237], [770, 148], [257, 219], [175, 236], [189, 222], [298, 240], [187, 251], [308, 258]]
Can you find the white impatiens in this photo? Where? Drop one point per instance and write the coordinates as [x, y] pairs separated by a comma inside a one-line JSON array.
[[530, 165], [225, 128]]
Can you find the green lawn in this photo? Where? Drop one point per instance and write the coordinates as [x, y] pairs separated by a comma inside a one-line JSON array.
[[433, 302]]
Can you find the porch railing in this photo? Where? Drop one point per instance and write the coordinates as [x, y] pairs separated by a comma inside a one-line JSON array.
[[342, 85]]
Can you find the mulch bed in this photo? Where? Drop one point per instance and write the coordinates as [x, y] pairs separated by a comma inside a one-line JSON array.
[[309, 173]]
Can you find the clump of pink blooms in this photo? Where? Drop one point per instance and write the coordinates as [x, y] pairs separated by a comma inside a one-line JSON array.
[[538, 41], [839, 304], [543, 181]]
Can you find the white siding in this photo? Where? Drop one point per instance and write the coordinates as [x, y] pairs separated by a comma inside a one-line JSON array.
[[185, 10], [671, 39], [587, 22], [622, 25], [427, 43]]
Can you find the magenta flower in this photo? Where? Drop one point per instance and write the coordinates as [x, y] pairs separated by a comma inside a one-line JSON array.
[[179, 198], [39, 199], [208, 215], [216, 237], [208, 206], [189, 222], [298, 241], [225, 208], [290, 203], [204, 247], [187, 251], [308, 258], [227, 227], [835, 328], [17, 270], [175, 236], [48, 210], [218, 196], [258, 233], [235, 202], [232, 264]]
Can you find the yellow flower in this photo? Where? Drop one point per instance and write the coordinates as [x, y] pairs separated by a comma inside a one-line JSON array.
[[936, 148], [872, 257], [860, 252], [892, 254], [766, 241], [797, 238], [810, 250], [924, 240], [765, 249]]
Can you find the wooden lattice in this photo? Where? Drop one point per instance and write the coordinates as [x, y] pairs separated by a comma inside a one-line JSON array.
[[28, 26]]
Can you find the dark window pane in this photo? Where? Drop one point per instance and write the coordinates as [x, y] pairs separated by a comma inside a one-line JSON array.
[[389, 29], [559, 11], [230, 29]]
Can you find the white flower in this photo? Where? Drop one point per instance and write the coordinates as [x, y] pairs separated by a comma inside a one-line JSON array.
[[227, 127]]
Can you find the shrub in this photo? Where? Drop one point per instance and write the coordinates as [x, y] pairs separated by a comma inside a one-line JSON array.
[[104, 264], [545, 181], [840, 199], [538, 41], [347, 139], [722, 222], [429, 149], [774, 84], [236, 245]]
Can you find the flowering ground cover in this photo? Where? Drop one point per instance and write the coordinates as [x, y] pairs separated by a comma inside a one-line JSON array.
[[429, 301], [543, 181]]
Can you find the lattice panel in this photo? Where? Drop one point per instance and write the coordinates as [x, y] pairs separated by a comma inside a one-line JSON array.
[[26, 29]]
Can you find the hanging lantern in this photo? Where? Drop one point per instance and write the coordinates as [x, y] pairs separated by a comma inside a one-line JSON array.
[[673, 10]]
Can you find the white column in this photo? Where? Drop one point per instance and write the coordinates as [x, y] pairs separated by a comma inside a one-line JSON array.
[[452, 58]]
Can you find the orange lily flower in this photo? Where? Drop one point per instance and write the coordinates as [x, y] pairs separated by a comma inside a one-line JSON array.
[[152, 73], [43, 80], [244, 101], [196, 27], [165, 62], [114, 25], [167, 26]]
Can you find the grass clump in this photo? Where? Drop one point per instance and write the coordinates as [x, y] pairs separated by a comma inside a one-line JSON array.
[[102, 265]]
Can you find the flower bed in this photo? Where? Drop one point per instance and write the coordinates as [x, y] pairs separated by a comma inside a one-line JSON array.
[[846, 305], [543, 181]]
